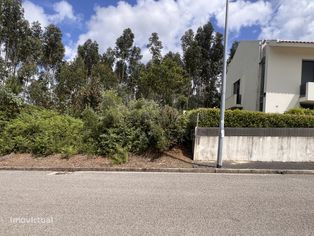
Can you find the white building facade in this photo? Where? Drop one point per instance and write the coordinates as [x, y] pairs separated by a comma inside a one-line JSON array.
[[271, 76]]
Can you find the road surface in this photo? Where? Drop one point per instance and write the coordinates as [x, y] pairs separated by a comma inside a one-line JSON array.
[[115, 203]]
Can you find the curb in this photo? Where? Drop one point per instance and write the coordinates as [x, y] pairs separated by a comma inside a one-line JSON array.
[[170, 170]]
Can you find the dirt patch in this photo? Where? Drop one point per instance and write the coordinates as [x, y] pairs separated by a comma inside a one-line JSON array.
[[175, 158]]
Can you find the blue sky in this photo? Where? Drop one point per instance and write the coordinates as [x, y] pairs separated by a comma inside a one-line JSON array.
[[104, 20]]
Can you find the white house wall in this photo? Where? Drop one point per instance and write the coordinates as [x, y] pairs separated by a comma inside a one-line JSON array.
[[283, 76], [244, 66]]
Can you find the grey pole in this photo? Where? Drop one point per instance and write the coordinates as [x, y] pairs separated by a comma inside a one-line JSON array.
[[223, 93]]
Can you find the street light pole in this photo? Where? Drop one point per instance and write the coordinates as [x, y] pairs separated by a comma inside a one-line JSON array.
[[223, 93]]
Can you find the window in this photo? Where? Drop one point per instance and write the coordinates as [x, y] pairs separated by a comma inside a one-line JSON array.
[[307, 75], [236, 91], [236, 87]]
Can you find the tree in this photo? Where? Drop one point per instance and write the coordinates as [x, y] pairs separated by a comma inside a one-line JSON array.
[[13, 32], [90, 95], [122, 51], [233, 50], [203, 54], [174, 57], [53, 53], [135, 67], [192, 59], [212, 95], [164, 82], [39, 92], [109, 57], [31, 54], [53, 49], [155, 47], [103, 72], [89, 53], [71, 80]]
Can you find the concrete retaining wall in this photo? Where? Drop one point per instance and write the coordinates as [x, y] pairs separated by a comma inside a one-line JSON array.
[[256, 144]]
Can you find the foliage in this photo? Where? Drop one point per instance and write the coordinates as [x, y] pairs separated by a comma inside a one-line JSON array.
[[121, 104], [155, 47], [136, 128], [119, 156], [203, 57], [40, 131], [71, 79], [10, 106], [301, 111], [250, 119], [39, 93], [89, 52], [53, 49], [163, 82], [122, 52]]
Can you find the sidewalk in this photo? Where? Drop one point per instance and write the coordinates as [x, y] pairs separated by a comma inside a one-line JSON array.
[[258, 165]]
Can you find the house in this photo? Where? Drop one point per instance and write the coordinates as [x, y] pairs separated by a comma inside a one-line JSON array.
[[271, 76]]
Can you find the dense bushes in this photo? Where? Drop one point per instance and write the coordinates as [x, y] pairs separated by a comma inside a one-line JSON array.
[[10, 106], [115, 129], [240, 118], [301, 111], [41, 131]]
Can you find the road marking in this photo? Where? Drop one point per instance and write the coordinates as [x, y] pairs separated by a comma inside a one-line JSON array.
[[60, 173]]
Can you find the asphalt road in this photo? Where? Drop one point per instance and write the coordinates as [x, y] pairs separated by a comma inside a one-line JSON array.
[[104, 203]]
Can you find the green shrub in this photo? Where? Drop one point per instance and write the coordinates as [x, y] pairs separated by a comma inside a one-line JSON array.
[[110, 99], [43, 132], [154, 127], [119, 155], [10, 106], [241, 118], [145, 116], [135, 128], [112, 129], [90, 133], [300, 111], [173, 124]]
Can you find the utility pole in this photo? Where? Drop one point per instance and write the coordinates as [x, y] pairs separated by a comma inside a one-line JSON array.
[[223, 94]]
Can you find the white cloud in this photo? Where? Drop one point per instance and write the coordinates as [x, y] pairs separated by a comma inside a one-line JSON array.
[[70, 52], [33, 12], [62, 11], [293, 19], [245, 14], [169, 18]]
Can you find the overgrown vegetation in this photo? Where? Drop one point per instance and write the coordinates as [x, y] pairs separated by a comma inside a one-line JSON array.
[[116, 129], [40, 131], [110, 103], [137, 127]]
